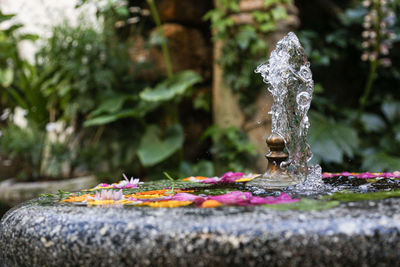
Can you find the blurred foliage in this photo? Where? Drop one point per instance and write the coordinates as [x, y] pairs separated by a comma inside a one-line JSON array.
[[85, 68], [16, 73], [244, 45], [331, 141], [25, 145], [345, 132], [119, 121], [84, 77], [231, 148]]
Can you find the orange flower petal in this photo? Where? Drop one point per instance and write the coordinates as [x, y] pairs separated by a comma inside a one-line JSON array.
[[77, 198], [210, 204], [167, 204], [199, 178]]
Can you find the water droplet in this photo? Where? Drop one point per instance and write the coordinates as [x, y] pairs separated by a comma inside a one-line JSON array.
[[303, 99]]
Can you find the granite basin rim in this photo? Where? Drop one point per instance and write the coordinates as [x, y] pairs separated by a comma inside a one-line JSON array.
[[58, 234]]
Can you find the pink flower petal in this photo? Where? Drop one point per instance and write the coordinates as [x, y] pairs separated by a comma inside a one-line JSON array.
[[231, 177], [366, 175], [210, 181], [228, 177], [126, 186], [233, 198], [282, 199], [186, 197], [388, 175]]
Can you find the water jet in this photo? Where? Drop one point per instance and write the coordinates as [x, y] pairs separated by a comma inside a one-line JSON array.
[[288, 77]]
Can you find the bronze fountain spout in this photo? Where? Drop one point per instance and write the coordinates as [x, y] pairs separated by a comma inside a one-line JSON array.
[[275, 176]]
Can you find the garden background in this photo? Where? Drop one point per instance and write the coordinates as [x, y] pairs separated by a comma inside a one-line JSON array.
[[146, 87]]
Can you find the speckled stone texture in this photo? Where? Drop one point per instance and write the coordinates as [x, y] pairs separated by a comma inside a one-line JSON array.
[[352, 234]]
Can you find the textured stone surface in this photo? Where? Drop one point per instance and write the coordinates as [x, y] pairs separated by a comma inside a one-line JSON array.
[[362, 233]]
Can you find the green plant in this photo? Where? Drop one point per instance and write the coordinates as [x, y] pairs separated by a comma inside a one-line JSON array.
[[26, 146], [244, 45], [15, 71], [331, 141], [200, 168], [85, 68], [172, 180], [28, 87], [158, 142], [380, 152], [230, 148], [351, 128], [377, 42]]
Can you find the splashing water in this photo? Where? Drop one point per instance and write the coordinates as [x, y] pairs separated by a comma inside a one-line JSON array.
[[289, 79]]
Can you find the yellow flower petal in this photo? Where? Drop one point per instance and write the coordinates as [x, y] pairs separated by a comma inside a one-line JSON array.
[[101, 202], [243, 180], [124, 201], [100, 187], [167, 204]]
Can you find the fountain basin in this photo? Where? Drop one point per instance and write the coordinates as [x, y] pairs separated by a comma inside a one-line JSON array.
[[39, 233]]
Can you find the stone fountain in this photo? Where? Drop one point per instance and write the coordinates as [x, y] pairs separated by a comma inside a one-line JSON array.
[[347, 229], [289, 80]]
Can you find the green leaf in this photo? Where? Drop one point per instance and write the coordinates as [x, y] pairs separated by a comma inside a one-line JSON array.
[[397, 133], [379, 162], [351, 196], [305, 204], [155, 148], [110, 105], [278, 13], [202, 168], [372, 122], [5, 17], [122, 11], [171, 88], [267, 27], [330, 140], [104, 119], [202, 101], [391, 109], [337, 37], [30, 37], [244, 37], [138, 111], [18, 99], [268, 3], [13, 28], [157, 38], [352, 16], [6, 77]]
